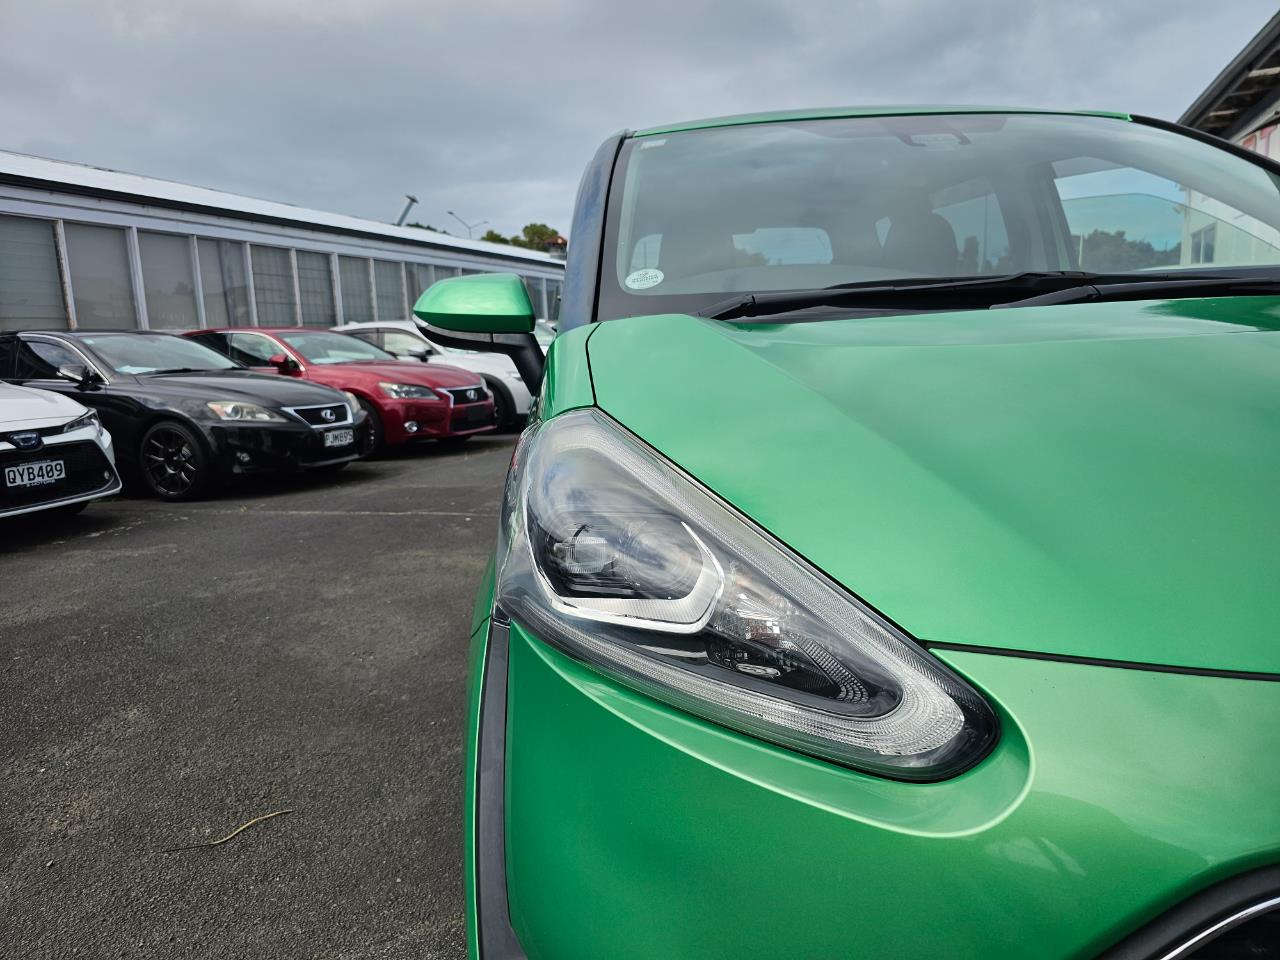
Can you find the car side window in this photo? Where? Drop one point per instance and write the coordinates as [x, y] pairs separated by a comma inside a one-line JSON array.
[[214, 341], [402, 344], [253, 349], [368, 336], [40, 359]]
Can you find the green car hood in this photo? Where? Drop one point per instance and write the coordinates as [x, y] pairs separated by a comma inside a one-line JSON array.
[[1095, 480]]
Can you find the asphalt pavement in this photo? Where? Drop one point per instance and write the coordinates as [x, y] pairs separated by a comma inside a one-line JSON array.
[[170, 672]]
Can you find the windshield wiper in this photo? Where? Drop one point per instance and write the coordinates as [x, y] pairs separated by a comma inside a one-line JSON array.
[[1033, 288], [153, 373], [1142, 288], [958, 291]]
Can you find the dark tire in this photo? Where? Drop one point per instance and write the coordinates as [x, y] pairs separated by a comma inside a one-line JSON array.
[[374, 442], [172, 462], [504, 408]]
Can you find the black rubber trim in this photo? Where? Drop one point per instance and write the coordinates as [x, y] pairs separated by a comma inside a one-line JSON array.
[[1100, 661], [493, 920], [1173, 928], [1213, 140]]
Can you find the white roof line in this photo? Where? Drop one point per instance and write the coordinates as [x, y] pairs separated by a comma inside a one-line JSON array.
[[89, 177]]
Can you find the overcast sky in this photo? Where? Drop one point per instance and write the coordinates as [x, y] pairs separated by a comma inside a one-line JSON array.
[[491, 109]]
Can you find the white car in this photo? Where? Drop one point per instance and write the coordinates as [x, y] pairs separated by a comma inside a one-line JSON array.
[[54, 453], [404, 339]]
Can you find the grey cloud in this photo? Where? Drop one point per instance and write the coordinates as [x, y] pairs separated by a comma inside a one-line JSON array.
[[492, 108]]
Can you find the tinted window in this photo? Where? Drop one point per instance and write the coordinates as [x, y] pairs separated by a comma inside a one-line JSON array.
[[316, 347], [40, 360], [252, 349], [138, 353]]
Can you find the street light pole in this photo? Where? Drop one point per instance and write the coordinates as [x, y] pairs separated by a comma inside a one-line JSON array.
[[407, 207], [469, 226]]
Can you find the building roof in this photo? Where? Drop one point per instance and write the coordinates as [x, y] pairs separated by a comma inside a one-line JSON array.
[[1244, 95], [67, 177], [827, 113]]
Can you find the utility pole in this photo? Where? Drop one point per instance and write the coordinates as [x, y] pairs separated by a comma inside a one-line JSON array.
[[470, 226], [407, 207]]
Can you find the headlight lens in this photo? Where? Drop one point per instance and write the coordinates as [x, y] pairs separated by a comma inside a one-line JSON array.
[[236, 410], [407, 391], [613, 555], [353, 402], [89, 419]]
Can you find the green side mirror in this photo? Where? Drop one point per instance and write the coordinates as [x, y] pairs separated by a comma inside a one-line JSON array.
[[480, 303]]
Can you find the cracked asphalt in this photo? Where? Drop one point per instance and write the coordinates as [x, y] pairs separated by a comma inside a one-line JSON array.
[[169, 672]]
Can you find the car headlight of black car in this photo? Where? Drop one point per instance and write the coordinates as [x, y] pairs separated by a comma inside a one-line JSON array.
[[614, 555], [243, 412]]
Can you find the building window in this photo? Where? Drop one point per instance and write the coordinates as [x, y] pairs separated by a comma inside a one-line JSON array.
[[418, 276], [168, 281], [357, 299], [389, 285], [98, 260], [273, 287], [1202, 243], [315, 283], [226, 295], [553, 299], [30, 287], [534, 287], [443, 273]]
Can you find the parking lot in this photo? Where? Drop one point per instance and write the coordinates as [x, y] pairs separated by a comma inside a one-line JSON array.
[[172, 672]]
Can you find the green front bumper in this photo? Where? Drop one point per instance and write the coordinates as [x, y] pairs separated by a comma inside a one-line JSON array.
[[635, 831]]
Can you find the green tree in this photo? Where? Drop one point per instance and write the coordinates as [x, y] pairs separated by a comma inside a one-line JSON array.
[[536, 236], [493, 236]]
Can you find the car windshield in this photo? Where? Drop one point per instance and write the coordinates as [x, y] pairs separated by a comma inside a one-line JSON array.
[[136, 353], [333, 347], [708, 214]]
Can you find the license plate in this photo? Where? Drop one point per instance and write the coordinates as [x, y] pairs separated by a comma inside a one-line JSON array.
[[34, 474], [339, 438]]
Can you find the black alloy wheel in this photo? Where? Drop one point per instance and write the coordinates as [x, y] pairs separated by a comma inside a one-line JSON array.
[[173, 463], [503, 407], [373, 436]]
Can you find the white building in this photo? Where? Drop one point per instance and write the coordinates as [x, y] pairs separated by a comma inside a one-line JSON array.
[[87, 248]]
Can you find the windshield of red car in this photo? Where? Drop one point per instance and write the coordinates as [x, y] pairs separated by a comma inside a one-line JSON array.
[[320, 347]]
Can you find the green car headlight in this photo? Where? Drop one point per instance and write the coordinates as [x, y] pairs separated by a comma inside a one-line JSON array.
[[613, 555]]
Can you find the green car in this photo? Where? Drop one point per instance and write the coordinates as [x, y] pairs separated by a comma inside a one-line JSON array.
[[891, 567]]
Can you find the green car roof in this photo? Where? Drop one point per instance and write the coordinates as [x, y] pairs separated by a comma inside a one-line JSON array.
[[826, 113]]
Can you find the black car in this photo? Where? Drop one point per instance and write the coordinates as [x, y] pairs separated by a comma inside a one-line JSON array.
[[184, 417]]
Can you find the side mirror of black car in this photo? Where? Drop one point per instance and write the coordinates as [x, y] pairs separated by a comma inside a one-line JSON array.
[[284, 363], [79, 374]]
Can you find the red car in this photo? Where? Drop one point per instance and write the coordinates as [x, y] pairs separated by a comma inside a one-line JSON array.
[[405, 400]]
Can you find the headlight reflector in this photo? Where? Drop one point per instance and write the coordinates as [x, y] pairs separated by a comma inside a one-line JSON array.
[[237, 410], [407, 391], [613, 555], [87, 419]]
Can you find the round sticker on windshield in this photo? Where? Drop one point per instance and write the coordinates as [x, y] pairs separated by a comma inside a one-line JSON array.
[[644, 279]]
